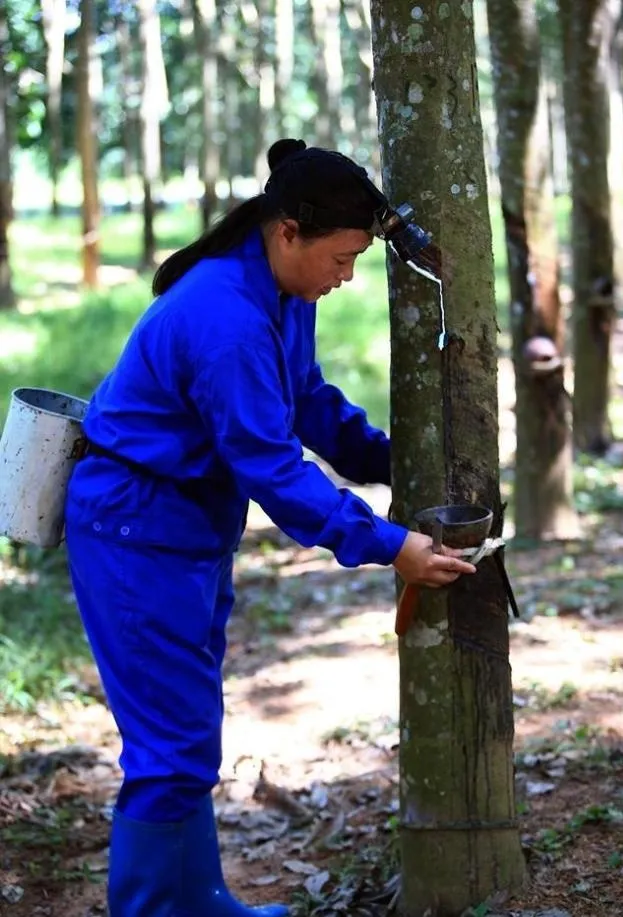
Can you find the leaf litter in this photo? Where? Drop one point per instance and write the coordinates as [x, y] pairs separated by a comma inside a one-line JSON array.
[[311, 815]]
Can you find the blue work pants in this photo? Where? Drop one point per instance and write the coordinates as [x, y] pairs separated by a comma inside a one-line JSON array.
[[156, 622]]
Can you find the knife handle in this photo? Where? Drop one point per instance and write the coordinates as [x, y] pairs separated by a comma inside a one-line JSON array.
[[407, 606]]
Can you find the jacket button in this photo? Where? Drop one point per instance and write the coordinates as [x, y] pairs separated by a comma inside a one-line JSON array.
[[97, 526], [124, 530]]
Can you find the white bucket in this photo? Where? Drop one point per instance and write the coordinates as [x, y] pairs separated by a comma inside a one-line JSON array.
[[41, 442]]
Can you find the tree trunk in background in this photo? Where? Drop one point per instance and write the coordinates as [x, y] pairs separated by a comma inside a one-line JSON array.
[[126, 89], [265, 78], [87, 146], [204, 20], [284, 59], [616, 149], [587, 30], [54, 12], [154, 102], [460, 841], [7, 298], [544, 461], [231, 125], [325, 25], [363, 127]]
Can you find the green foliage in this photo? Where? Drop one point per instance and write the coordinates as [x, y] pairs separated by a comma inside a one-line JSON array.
[[41, 639], [540, 698], [596, 485], [553, 841]]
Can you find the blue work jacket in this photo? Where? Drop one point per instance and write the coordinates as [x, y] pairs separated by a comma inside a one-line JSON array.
[[218, 389]]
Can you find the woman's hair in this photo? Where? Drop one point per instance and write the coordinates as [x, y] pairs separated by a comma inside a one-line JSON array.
[[323, 190]]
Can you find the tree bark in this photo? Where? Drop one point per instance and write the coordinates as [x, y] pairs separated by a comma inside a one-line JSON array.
[[87, 146], [284, 56], [265, 75], [204, 19], [129, 83], [7, 298], [154, 101], [544, 462], [459, 836], [587, 31], [325, 26], [363, 125], [54, 12]]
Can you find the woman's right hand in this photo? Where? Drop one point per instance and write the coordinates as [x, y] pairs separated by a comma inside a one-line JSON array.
[[416, 563]]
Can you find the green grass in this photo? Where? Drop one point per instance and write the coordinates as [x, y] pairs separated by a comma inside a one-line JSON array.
[[42, 646]]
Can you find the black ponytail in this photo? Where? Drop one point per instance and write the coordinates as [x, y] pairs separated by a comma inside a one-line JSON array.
[[227, 233]]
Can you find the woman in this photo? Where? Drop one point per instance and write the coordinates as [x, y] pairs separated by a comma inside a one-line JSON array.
[[210, 405]]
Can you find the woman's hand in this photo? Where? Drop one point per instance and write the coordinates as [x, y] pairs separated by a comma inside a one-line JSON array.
[[416, 563]]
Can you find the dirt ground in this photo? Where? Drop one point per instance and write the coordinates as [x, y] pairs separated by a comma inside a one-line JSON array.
[[308, 800], [310, 770]]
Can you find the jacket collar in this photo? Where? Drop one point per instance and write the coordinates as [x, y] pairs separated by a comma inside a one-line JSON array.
[[257, 272]]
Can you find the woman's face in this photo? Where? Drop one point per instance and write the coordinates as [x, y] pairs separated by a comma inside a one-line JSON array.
[[311, 268]]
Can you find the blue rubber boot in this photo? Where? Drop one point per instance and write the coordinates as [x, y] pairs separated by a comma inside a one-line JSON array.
[[172, 870]]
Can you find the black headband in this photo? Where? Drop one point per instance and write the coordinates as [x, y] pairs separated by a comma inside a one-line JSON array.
[[324, 218]]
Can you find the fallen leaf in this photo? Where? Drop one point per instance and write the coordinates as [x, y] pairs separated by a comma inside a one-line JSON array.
[[314, 884], [306, 869], [539, 789], [264, 880]]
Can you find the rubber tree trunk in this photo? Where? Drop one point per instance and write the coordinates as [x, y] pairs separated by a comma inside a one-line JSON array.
[[154, 102], [356, 15], [129, 128], [205, 24], [87, 146], [460, 841], [543, 461], [54, 17], [7, 298], [329, 75], [265, 70], [284, 59], [587, 30]]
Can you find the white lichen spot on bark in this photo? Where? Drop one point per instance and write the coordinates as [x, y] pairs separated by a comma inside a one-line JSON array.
[[472, 191], [446, 120], [415, 31], [423, 636], [455, 189], [417, 12], [429, 434], [405, 111], [444, 10], [411, 316], [466, 84], [421, 697], [416, 93], [466, 7], [406, 733], [423, 358], [426, 195], [410, 814]]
